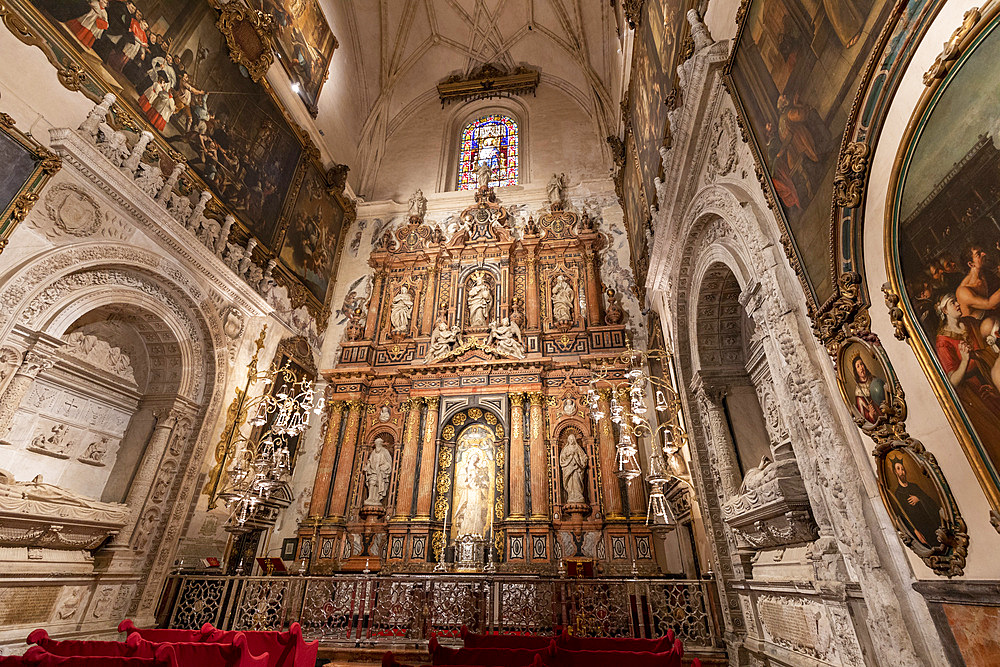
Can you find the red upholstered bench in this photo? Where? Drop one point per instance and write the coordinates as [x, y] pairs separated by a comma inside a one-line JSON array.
[[389, 660], [494, 657], [133, 647], [36, 656], [472, 640], [574, 643], [284, 649], [203, 634]]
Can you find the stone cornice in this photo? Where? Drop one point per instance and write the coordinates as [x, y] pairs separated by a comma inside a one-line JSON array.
[[156, 223]]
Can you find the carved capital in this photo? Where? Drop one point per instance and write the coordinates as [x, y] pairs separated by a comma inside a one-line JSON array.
[[517, 399], [433, 402], [536, 398]]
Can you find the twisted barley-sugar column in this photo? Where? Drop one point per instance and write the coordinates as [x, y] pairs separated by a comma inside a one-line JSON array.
[[516, 459], [345, 462], [324, 473], [607, 453], [408, 464], [425, 490], [539, 461]]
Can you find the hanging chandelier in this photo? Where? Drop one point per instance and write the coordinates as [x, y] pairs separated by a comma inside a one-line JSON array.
[[628, 410], [257, 446]]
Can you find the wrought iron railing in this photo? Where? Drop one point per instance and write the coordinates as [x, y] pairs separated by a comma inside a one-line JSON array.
[[358, 610]]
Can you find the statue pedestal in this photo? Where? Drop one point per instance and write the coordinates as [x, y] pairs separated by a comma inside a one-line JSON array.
[[367, 541], [577, 509]]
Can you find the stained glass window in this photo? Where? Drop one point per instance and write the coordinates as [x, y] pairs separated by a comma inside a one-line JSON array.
[[491, 139]]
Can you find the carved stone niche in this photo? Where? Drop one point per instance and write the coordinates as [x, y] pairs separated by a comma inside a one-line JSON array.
[[772, 508]]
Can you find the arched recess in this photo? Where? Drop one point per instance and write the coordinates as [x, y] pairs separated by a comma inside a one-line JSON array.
[[116, 291], [464, 114]]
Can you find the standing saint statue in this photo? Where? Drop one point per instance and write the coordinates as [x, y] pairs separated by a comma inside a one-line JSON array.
[[418, 205], [377, 470], [562, 300], [479, 301], [400, 310], [557, 190], [484, 173], [573, 462]]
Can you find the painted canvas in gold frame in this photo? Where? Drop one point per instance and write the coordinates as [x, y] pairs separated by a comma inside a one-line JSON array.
[[305, 45], [27, 165], [785, 56], [941, 239]]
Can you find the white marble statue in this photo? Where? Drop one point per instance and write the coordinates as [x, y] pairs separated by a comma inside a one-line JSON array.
[[418, 204], [479, 301], [562, 300], [557, 189], [377, 470], [484, 173], [401, 310], [39, 491], [443, 341], [97, 450], [573, 462], [53, 442], [506, 338]]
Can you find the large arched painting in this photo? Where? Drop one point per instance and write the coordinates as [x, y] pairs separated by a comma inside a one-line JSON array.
[[787, 53], [473, 499], [945, 249]]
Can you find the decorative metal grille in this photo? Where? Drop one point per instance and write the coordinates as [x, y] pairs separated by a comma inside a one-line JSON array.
[[352, 609]]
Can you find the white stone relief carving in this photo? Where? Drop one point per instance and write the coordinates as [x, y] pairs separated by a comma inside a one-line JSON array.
[[99, 353]]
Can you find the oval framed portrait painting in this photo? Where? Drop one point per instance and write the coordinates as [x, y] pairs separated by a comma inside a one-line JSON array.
[[921, 506], [867, 384]]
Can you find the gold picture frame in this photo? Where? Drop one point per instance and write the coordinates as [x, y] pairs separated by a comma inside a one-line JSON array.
[[28, 166]]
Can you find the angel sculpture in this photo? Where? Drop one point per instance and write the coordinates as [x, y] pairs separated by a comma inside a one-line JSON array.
[[505, 338]]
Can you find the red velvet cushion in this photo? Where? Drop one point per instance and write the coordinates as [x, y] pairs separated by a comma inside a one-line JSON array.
[[560, 657], [36, 656], [205, 633], [494, 657], [133, 647], [472, 640]]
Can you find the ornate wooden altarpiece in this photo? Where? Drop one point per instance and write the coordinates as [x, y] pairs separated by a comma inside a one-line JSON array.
[[427, 401]]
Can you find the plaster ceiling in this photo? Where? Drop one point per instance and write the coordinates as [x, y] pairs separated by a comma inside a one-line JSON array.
[[394, 52]]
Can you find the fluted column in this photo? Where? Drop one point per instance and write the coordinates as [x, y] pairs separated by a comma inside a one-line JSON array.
[[374, 304], [345, 462], [430, 299], [34, 363], [532, 293], [539, 460], [408, 463], [327, 459], [425, 493], [138, 490], [516, 460], [594, 302], [721, 447], [607, 453]]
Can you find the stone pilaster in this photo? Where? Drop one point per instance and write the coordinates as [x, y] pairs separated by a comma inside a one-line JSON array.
[[34, 362]]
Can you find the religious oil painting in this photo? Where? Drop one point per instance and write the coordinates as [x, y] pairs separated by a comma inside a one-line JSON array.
[[305, 45], [945, 250], [912, 498], [473, 482], [27, 167], [795, 70], [865, 381], [312, 239], [171, 64]]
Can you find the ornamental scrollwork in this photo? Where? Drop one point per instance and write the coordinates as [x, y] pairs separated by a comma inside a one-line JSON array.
[[241, 25], [849, 180]]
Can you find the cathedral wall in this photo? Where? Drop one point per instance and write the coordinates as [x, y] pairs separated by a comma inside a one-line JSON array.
[[561, 137]]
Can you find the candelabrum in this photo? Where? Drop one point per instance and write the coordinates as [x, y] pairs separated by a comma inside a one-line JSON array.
[[257, 441], [627, 394]]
